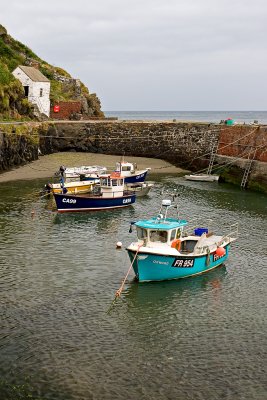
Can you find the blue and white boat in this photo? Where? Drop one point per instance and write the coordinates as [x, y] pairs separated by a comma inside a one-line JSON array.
[[108, 195], [167, 249], [127, 170], [130, 172]]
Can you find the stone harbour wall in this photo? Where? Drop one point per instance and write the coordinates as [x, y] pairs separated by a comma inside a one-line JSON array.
[[244, 142], [178, 143], [19, 145], [187, 145]]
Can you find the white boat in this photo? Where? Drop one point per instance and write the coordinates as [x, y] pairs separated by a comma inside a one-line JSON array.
[[202, 177], [140, 189], [127, 170], [76, 172], [130, 172], [208, 177]]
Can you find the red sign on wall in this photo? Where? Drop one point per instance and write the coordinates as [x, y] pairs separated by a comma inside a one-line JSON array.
[[56, 108]]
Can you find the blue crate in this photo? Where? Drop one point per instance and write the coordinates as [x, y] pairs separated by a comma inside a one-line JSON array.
[[200, 231]]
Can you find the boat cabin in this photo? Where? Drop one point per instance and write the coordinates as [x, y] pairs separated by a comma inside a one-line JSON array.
[[125, 168], [111, 185], [156, 232], [167, 233]]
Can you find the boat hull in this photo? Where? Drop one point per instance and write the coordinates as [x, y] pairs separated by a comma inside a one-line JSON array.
[[71, 203], [140, 176], [140, 190], [202, 178], [90, 178], [79, 187], [158, 267]]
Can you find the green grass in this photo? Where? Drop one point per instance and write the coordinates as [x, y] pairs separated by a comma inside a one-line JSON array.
[[14, 53]]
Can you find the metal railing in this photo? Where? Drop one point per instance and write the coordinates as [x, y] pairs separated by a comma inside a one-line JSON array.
[[197, 223], [231, 234]]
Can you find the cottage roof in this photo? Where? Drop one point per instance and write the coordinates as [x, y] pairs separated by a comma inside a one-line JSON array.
[[34, 74]]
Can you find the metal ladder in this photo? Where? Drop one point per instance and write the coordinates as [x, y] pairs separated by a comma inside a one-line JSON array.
[[212, 158], [247, 170]]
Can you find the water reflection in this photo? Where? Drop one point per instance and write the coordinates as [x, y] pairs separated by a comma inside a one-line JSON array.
[[59, 274], [154, 294], [104, 222]]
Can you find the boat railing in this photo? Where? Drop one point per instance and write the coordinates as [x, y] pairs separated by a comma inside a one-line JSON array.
[[210, 225], [197, 223], [232, 233], [98, 193]]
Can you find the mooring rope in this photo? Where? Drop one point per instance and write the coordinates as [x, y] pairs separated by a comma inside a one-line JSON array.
[[218, 167], [119, 291]]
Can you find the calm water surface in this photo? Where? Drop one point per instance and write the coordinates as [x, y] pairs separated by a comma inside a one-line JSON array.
[[199, 338]]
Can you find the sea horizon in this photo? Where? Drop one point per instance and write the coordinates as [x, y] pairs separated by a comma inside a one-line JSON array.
[[202, 116]]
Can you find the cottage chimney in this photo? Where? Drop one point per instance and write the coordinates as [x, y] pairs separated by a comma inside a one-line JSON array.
[[35, 64]]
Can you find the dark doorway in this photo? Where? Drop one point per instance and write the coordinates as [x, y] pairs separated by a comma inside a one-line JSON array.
[[26, 91]]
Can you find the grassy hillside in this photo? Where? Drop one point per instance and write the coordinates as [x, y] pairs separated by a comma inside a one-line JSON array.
[[12, 101]]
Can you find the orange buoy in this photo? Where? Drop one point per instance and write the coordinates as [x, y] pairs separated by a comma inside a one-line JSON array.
[[220, 251]]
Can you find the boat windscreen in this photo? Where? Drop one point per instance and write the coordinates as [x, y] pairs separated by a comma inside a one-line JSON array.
[[158, 236], [141, 233], [105, 182]]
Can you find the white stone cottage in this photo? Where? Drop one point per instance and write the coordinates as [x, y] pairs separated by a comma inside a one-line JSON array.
[[36, 87]]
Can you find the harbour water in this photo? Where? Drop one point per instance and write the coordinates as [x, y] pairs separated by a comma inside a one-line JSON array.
[[203, 116], [198, 338]]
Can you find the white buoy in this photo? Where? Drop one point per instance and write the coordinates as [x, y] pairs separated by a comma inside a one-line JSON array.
[[118, 245]]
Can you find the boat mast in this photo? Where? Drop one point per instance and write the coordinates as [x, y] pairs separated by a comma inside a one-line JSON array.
[[167, 204], [121, 161]]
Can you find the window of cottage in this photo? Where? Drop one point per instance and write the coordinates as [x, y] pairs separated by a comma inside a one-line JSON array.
[[41, 92], [26, 91]]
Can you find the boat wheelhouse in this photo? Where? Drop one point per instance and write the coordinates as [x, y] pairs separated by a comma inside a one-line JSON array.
[[130, 173]]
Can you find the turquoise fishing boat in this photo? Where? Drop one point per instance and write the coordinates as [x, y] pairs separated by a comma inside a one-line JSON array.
[[167, 248]]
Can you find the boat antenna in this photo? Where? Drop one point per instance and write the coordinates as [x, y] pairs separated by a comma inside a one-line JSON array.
[[168, 204]]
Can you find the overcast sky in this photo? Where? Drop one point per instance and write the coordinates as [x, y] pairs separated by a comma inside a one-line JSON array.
[[152, 54]]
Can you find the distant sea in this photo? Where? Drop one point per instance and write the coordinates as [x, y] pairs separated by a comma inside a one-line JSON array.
[[204, 116]]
